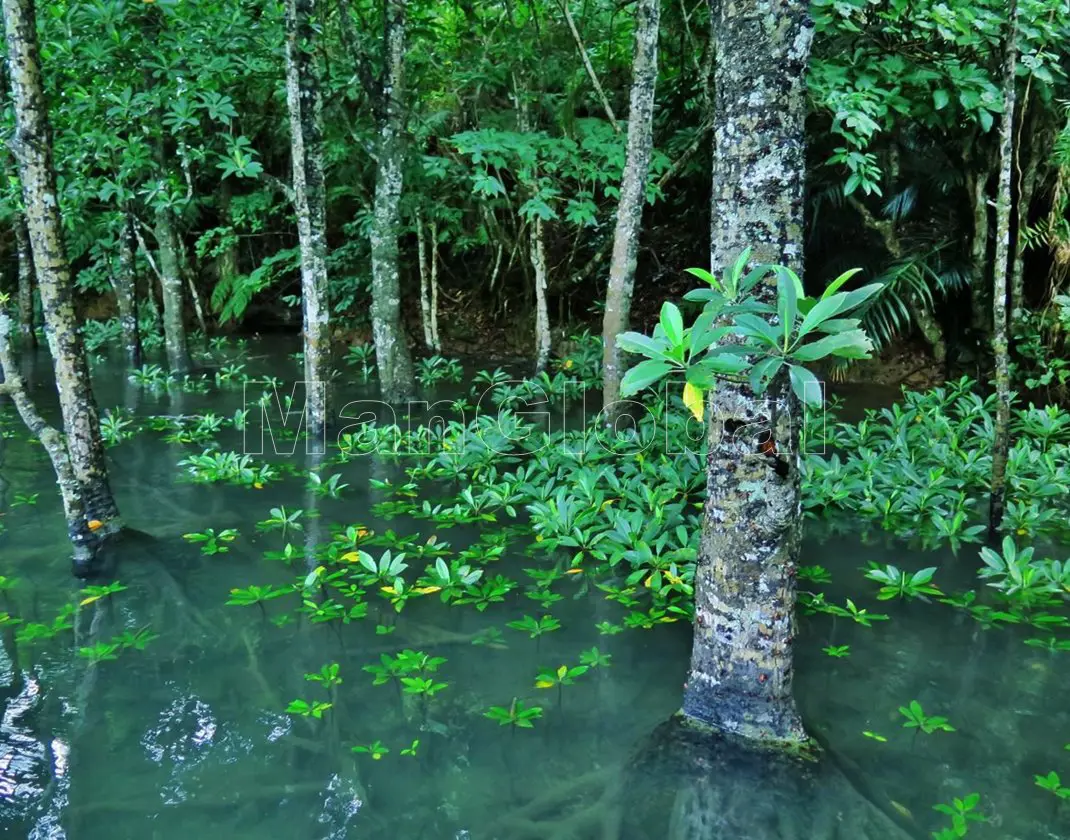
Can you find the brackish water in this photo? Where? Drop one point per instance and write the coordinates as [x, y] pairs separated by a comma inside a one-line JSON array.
[[189, 738]]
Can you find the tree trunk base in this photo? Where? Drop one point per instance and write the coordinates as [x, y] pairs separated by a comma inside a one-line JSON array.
[[719, 788]]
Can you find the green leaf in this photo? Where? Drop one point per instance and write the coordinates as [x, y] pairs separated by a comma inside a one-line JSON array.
[[836, 284], [763, 372], [823, 310], [787, 304], [644, 345], [853, 344], [643, 375], [940, 99], [672, 323], [805, 385]]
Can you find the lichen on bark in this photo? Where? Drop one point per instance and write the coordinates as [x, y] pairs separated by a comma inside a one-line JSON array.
[[740, 678], [32, 147]]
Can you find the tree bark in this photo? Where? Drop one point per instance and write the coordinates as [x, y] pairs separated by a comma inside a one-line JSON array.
[[388, 332], [27, 336], [980, 315], [81, 537], [310, 203], [542, 315], [740, 679], [126, 293], [632, 199], [174, 320], [1000, 348], [436, 343], [32, 147], [425, 281]]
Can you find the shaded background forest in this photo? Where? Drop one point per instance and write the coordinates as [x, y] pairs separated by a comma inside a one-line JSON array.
[[179, 109]]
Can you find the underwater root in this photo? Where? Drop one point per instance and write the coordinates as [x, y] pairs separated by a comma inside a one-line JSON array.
[[573, 810]]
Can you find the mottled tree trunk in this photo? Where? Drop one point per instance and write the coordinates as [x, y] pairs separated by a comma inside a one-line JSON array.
[[27, 336], [542, 314], [425, 281], [32, 146], [436, 342], [70, 491], [1027, 184], [310, 203], [126, 293], [227, 261], [980, 314], [174, 316], [632, 199], [1000, 349], [741, 663], [188, 267], [391, 348]]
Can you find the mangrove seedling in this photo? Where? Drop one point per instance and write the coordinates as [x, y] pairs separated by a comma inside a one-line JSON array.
[[917, 719], [280, 518], [254, 595], [535, 628], [1053, 784], [837, 651], [594, 658], [375, 749], [876, 736], [307, 708], [93, 593], [896, 583], [211, 542], [962, 812], [331, 488], [517, 714], [411, 750], [327, 676], [100, 652], [561, 677]]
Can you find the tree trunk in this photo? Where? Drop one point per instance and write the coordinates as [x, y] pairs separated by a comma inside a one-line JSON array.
[[81, 537], [436, 343], [32, 147], [425, 282], [632, 199], [980, 320], [126, 293], [227, 261], [310, 203], [542, 315], [391, 349], [741, 663], [27, 336], [1027, 184], [1000, 350], [189, 272], [174, 321]]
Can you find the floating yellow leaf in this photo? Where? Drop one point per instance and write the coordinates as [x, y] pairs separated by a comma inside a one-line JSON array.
[[95, 524], [902, 809], [257, 485], [693, 400]]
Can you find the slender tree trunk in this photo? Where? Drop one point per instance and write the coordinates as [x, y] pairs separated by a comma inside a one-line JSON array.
[[227, 261], [436, 343], [189, 272], [542, 315], [391, 348], [27, 336], [741, 662], [589, 67], [310, 200], [980, 313], [32, 146], [425, 281], [632, 199], [150, 286], [174, 320], [70, 490], [1027, 184], [126, 293], [1000, 349]]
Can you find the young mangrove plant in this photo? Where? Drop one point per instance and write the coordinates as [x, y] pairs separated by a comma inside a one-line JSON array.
[[517, 714], [558, 679], [918, 720], [210, 541]]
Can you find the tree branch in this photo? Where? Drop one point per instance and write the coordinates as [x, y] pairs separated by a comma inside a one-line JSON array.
[[589, 67]]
